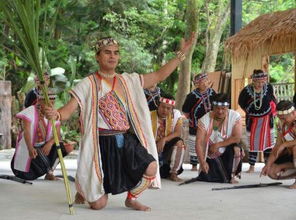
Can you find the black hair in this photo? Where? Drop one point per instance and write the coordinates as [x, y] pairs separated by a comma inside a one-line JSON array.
[[257, 71], [220, 97], [284, 105], [167, 96]]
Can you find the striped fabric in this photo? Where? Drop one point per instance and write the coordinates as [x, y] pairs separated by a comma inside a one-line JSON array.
[[261, 136], [177, 158], [142, 186]]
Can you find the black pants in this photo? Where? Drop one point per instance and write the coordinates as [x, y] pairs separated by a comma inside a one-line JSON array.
[[124, 162], [253, 156], [40, 165], [220, 168], [165, 158]]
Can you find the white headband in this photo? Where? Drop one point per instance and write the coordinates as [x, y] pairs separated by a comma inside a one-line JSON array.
[[286, 112], [167, 101], [220, 103]]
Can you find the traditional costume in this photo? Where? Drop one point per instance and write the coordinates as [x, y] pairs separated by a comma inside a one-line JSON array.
[[223, 165], [118, 127], [260, 110], [196, 104], [171, 158], [41, 131]]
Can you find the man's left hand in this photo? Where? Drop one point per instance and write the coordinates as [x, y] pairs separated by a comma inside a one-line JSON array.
[[160, 145], [185, 46], [214, 148], [46, 148]]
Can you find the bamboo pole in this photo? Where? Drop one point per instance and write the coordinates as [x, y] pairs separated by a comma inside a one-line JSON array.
[[59, 151]]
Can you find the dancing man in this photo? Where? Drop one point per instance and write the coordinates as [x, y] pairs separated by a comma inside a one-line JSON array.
[[117, 148]]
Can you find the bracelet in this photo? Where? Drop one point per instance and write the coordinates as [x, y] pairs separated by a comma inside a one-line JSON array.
[[180, 55], [58, 116]]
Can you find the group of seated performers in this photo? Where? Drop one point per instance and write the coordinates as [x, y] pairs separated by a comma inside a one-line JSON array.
[[215, 132]]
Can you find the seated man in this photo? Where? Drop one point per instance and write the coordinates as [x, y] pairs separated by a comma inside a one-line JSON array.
[[281, 163], [167, 129], [35, 153], [218, 134]]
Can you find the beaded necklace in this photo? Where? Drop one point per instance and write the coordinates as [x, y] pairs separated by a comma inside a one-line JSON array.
[[106, 75], [258, 107], [153, 94], [206, 100]]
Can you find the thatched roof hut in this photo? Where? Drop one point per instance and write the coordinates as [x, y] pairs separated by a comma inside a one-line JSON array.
[[250, 48]]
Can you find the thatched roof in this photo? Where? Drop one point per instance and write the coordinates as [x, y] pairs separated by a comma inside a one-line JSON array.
[[270, 34]]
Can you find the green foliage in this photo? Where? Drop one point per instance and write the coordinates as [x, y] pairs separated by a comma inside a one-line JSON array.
[[281, 68], [149, 32]]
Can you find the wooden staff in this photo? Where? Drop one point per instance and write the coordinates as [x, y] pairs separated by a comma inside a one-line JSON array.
[[248, 186]]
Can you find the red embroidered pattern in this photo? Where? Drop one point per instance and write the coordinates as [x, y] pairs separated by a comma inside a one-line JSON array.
[[161, 129], [41, 130], [113, 112]]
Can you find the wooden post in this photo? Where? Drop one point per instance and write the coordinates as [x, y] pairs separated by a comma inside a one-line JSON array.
[[265, 63], [5, 114], [295, 72]]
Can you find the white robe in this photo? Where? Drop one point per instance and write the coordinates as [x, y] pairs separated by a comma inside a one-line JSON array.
[[89, 177]]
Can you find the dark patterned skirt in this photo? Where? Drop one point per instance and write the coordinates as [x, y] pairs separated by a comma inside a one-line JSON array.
[[41, 164], [220, 168], [124, 161]]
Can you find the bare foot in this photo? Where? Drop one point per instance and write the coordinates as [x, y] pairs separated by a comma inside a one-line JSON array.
[[293, 186], [79, 199], [175, 178], [194, 168], [69, 146], [50, 176], [251, 169], [134, 204], [233, 181]]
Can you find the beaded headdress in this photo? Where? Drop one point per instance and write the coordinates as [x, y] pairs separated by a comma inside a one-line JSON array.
[[105, 42], [259, 76], [167, 101], [199, 77], [286, 112], [220, 103]]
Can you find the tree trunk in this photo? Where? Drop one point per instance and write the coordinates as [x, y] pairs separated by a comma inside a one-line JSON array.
[[215, 32], [5, 114], [192, 12]]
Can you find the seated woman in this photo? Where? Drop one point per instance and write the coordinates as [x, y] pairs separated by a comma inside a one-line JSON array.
[[218, 134], [281, 163], [35, 153]]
